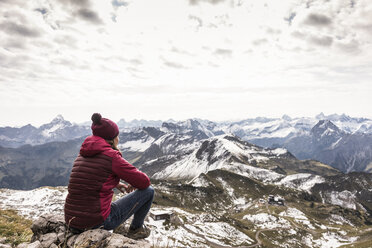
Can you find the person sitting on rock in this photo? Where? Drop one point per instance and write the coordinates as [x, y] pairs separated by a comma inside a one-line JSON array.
[[95, 173]]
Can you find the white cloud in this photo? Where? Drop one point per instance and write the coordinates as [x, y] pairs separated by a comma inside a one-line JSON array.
[[181, 58]]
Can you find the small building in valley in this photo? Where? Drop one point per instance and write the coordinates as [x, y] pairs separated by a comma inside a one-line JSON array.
[[161, 215], [276, 200]]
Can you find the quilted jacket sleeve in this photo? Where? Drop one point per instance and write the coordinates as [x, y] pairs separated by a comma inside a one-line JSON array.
[[127, 172]]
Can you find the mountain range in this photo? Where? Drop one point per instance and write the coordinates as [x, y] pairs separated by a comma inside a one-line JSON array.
[[217, 179], [182, 152], [57, 130], [260, 131], [175, 147]]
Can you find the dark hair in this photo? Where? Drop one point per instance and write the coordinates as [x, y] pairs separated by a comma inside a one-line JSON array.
[[112, 144]]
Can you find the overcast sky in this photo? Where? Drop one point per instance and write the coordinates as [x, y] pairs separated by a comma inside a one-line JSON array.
[[179, 59]]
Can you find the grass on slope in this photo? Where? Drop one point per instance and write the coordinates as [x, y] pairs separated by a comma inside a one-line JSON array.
[[14, 228]]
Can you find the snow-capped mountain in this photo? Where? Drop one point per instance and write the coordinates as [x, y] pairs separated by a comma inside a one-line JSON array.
[[57, 130], [138, 139], [218, 152], [329, 144], [228, 152], [137, 123], [268, 131], [326, 132], [261, 130], [177, 143], [189, 127]]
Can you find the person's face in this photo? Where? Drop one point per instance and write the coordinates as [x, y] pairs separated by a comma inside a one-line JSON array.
[[116, 140]]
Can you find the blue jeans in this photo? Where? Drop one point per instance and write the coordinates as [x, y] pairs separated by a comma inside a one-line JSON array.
[[137, 203]]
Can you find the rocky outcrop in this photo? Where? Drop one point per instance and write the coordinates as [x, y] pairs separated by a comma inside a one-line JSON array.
[[3, 243], [50, 231]]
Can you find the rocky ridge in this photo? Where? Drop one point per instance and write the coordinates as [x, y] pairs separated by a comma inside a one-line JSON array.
[[50, 231], [337, 140]]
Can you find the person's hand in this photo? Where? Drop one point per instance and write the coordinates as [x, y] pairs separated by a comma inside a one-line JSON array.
[[125, 188]]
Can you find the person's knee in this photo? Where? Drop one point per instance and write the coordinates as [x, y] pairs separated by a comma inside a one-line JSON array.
[[150, 190]]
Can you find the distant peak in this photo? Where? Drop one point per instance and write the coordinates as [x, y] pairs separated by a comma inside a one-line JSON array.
[[323, 125], [320, 116], [286, 117], [191, 123], [58, 118]]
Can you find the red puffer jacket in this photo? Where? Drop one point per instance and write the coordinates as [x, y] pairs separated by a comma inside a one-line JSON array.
[[96, 171]]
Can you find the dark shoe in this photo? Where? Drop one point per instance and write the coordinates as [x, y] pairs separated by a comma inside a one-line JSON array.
[[121, 229], [139, 233]]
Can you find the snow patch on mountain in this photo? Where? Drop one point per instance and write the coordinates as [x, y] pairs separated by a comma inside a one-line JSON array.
[[137, 145], [220, 232], [200, 182], [298, 216], [267, 221], [189, 167], [263, 175], [279, 151], [302, 181], [226, 187], [339, 220], [33, 203], [49, 132], [331, 240], [344, 199]]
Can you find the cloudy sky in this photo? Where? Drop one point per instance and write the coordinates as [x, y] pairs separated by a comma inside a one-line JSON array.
[[179, 59]]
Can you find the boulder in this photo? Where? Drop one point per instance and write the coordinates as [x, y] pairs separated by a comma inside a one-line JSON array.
[[119, 241], [23, 245], [48, 239], [92, 238], [49, 231], [35, 244], [48, 223]]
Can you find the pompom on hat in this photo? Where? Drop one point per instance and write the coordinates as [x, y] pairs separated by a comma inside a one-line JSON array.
[[104, 127]]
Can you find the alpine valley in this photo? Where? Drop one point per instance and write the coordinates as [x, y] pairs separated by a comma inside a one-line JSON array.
[[263, 182]]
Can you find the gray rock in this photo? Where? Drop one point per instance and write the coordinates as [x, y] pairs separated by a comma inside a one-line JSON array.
[[48, 239], [71, 241], [2, 240], [174, 219], [23, 245], [61, 237], [50, 232], [48, 223], [92, 237], [61, 229], [35, 244], [119, 241], [5, 246]]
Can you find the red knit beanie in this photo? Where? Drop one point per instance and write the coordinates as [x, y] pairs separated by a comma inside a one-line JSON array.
[[103, 127]]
